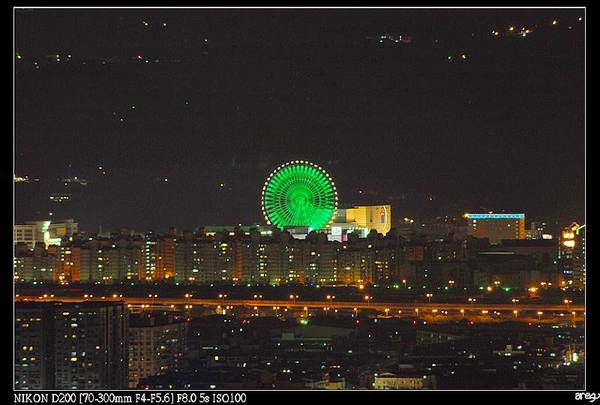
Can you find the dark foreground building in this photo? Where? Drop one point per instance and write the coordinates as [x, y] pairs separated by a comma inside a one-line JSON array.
[[71, 345]]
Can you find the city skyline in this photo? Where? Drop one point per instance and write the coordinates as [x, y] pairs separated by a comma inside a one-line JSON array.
[[213, 202]]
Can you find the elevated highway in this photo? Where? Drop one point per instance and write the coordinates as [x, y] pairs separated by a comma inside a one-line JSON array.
[[393, 307]]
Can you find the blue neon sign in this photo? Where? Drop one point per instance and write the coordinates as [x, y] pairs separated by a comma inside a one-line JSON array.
[[496, 216]]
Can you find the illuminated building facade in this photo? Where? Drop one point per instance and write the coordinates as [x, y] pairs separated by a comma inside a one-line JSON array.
[[68, 346], [371, 217], [571, 257], [70, 258], [165, 263], [496, 227], [91, 346], [38, 265], [34, 342], [25, 234], [151, 254], [389, 381], [156, 346], [579, 258], [47, 232], [215, 260], [252, 257], [354, 268], [186, 259], [320, 260]]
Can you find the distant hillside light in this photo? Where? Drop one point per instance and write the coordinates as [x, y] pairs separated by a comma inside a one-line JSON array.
[[299, 193]]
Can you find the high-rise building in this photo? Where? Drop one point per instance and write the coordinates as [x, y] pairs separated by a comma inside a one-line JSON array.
[[274, 259], [579, 261], [151, 254], [100, 260], [34, 346], [496, 227], [157, 344], [165, 263], [74, 345], [37, 265], [186, 263], [571, 255], [91, 345], [320, 260]]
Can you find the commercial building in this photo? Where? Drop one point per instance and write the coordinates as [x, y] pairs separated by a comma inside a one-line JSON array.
[[47, 232], [391, 381], [496, 227], [361, 219]]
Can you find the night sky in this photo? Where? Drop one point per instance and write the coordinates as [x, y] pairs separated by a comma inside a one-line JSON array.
[[214, 100]]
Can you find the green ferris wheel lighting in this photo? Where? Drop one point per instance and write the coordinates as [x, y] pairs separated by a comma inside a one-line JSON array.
[[299, 193]]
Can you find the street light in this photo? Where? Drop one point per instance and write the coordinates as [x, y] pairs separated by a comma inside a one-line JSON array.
[[293, 297], [429, 295], [368, 298], [515, 301], [539, 314], [355, 312]]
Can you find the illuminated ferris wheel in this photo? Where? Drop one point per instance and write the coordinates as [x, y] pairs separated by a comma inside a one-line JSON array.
[[299, 193]]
